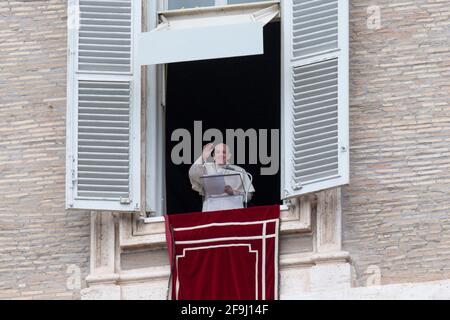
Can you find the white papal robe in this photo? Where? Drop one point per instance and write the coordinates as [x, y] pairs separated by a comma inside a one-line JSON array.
[[199, 169]]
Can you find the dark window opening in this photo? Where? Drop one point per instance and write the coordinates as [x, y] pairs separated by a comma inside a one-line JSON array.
[[242, 92]]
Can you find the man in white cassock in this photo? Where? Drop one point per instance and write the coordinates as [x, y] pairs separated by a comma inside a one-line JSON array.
[[220, 165]]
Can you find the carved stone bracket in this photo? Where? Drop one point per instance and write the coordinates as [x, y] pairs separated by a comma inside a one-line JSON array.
[[104, 255], [329, 221]]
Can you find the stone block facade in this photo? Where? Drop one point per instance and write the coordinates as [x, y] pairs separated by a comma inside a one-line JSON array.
[[396, 210], [41, 244]]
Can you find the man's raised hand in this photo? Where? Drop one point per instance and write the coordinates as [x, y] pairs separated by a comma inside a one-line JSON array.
[[207, 149]]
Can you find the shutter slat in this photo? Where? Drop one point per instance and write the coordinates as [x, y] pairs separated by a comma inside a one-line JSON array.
[[101, 155], [301, 165], [88, 188], [104, 162], [316, 156], [106, 9], [315, 109], [112, 182], [102, 195], [107, 176], [328, 174], [102, 130], [104, 3], [321, 134], [110, 29], [311, 125], [103, 149], [319, 143], [313, 170], [102, 168], [94, 54], [102, 110]]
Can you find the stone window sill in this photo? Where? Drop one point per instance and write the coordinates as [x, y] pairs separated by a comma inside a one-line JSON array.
[[136, 232]]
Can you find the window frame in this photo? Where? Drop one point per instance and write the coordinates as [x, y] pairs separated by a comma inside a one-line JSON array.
[[156, 208], [155, 189], [154, 164]]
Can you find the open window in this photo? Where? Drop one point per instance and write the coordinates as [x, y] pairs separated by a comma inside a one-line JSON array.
[[314, 96], [230, 94], [107, 48]]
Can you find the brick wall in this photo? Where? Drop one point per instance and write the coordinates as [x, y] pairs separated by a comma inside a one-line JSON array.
[[397, 207], [38, 238]]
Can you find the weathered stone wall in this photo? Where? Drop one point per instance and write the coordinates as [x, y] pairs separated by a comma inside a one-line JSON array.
[[39, 240], [397, 207]]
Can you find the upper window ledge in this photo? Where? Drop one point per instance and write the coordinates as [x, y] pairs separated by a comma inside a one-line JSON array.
[[214, 9]]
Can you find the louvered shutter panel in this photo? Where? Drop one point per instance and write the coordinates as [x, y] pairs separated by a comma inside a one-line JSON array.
[[103, 116], [104, 43], [315, 95]]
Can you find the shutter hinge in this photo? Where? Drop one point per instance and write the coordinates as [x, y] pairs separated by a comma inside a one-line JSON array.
[[125, 200], [296, 185], [74, 178], [164, 20]]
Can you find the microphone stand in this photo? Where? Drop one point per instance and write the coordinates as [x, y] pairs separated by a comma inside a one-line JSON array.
[[227, 167], [248, 187]]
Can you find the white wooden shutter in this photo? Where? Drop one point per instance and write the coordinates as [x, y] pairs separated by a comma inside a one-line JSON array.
[[315, 95], [103, 98]]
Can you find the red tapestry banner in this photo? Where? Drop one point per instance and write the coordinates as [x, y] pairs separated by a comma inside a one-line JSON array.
[[224, 255]]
